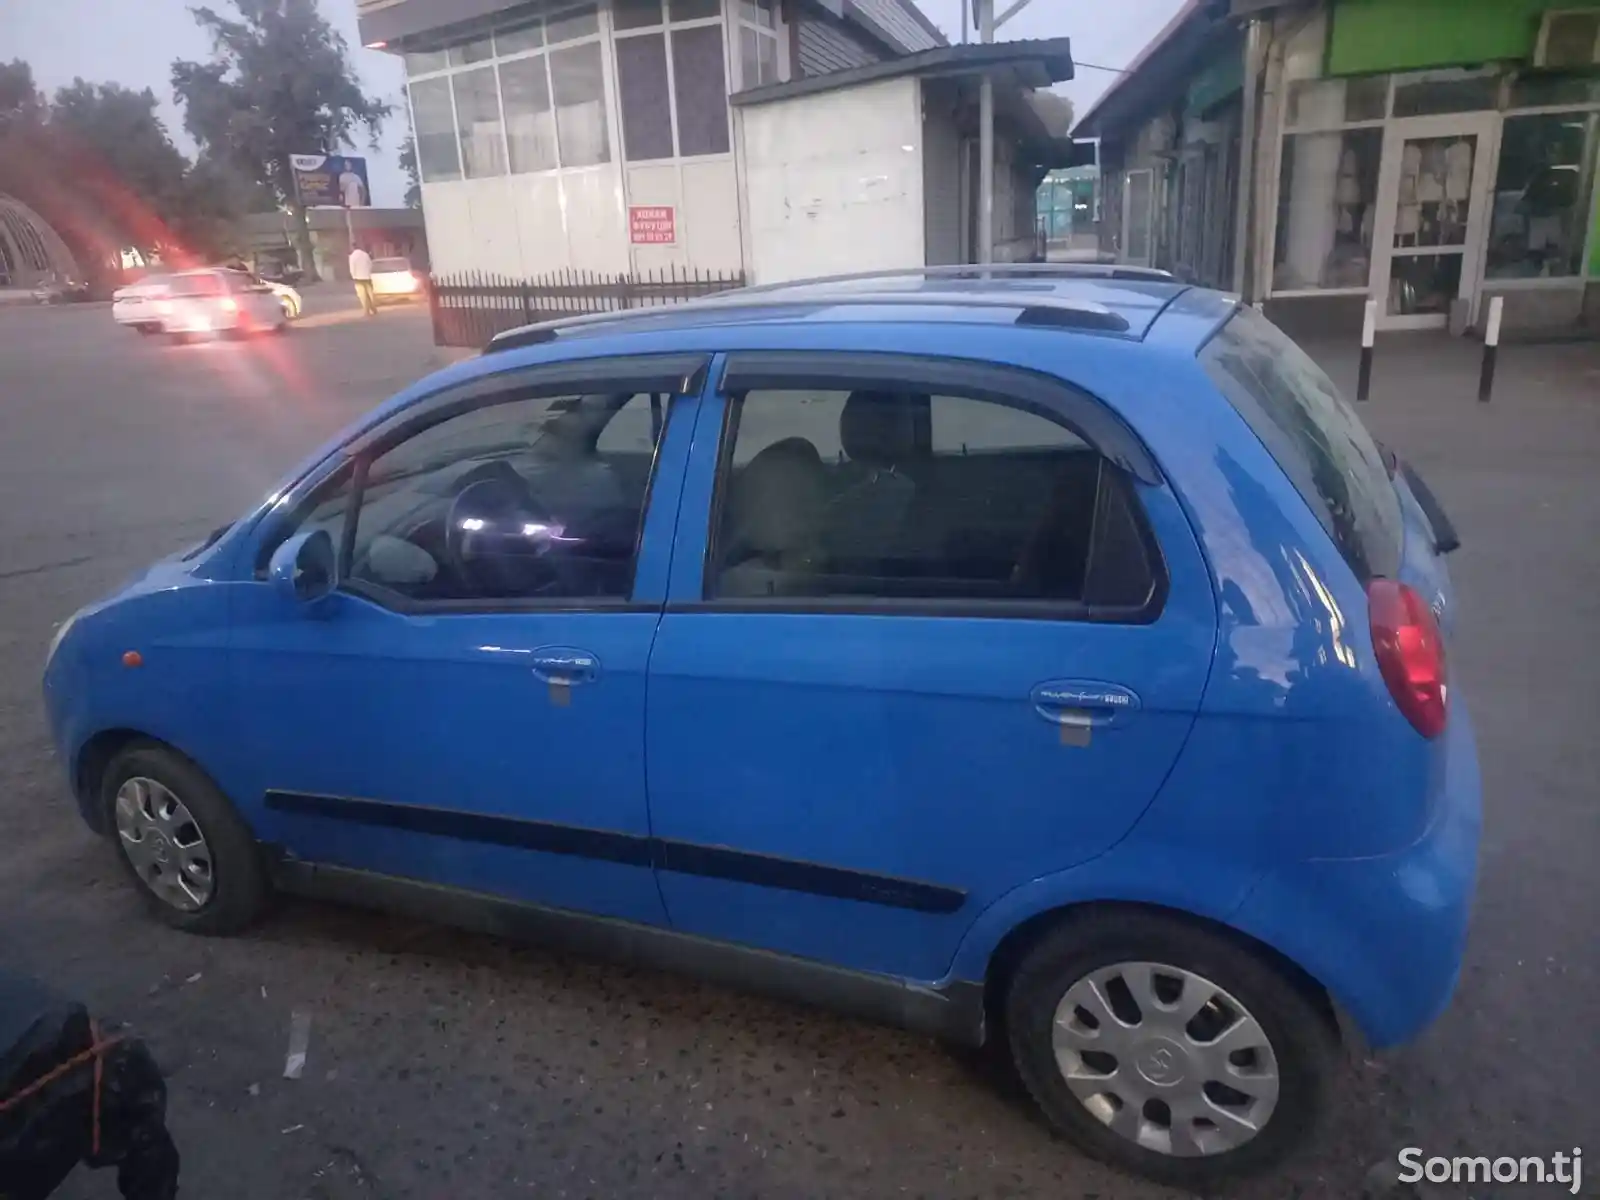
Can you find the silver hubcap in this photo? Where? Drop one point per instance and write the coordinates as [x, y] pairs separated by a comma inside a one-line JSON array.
[[163, 842], [1166, 1058]]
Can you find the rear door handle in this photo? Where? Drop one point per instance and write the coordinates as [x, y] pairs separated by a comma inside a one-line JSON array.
[[565, 666]]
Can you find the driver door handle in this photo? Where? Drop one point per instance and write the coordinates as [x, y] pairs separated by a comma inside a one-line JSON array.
[[565, 666]]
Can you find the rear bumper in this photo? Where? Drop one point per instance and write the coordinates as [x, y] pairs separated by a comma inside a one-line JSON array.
[[1385, 935]]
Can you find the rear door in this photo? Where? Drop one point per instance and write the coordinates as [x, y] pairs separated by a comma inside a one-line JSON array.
[[934, 629]]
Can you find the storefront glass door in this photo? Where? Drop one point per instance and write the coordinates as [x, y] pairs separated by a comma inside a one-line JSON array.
[[1433, 200]]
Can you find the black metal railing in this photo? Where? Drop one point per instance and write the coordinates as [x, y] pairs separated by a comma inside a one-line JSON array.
[[470, 308]]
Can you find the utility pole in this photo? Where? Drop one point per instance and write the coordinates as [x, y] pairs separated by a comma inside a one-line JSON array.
[[986, 21]]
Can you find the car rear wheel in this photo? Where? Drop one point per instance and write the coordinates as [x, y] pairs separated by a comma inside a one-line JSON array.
[[193, 858], [1166, 1049]]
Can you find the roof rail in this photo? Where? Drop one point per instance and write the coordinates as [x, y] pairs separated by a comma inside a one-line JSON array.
[[1037, 310], [1044, 270]]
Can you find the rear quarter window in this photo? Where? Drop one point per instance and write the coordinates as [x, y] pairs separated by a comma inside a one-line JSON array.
[[1314, 434]]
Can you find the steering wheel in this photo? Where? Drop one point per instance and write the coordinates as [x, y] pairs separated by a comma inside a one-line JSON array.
[[500, 539]]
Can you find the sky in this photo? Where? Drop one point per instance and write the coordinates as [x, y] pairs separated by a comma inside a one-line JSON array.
[[133, 42]]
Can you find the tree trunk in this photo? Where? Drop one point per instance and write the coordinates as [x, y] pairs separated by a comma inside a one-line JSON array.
[[301, 233]]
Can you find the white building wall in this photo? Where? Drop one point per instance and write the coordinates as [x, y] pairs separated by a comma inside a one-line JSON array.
[[704, 195], [834, 181], [527, 225]]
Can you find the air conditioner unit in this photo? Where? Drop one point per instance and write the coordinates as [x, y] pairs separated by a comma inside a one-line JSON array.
[[1568, 38]]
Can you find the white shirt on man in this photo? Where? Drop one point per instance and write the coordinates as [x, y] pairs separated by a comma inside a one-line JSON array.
[[350, 189], [360, 265]]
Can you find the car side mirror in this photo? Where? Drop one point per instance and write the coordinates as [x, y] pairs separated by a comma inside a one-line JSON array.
[[305, 568]]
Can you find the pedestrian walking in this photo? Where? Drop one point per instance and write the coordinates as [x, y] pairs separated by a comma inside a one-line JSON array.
[[361, 276]]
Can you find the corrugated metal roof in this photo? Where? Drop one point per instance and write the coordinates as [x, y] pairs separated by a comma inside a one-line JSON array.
[[1036, 64]]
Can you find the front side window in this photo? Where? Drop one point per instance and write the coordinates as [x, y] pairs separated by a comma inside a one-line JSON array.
[[521, 499], [883, 494]]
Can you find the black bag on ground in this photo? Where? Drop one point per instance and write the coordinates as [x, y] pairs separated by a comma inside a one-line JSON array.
[[47, 1129]]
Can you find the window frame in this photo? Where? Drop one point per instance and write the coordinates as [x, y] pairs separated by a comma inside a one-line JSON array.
[[1044, 395], [454, 66], [673, 375], [665, 28]]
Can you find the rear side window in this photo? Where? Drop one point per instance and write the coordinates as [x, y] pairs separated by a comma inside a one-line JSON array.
[[197, 285], [1314, 434], [883, 494]]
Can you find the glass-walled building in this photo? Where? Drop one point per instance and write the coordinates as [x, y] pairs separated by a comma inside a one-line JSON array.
[[1421, 154], [598, 136]]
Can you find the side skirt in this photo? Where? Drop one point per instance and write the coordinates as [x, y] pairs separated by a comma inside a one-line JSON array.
[[954, 1013]]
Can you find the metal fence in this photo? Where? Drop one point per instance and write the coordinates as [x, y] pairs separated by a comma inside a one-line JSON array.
[[470, 308]]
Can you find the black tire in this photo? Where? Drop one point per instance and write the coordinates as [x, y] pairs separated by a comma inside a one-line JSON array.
[[145, 330], [240, 890], [1301, 1038]]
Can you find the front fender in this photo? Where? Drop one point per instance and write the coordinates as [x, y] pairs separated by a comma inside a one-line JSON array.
[[1134, 873]]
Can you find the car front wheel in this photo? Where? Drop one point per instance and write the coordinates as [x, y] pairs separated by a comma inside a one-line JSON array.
[[193, 858], [1167, 1049]]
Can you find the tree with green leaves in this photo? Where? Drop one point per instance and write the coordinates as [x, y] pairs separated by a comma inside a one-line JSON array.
[[408, 164], [279, 83], [98, 164]]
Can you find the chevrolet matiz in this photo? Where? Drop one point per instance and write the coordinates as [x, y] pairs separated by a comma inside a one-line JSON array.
[[1041, 655]]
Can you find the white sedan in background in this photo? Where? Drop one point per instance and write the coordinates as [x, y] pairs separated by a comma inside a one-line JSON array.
[[216, 301], [135, 305], [394, 280]]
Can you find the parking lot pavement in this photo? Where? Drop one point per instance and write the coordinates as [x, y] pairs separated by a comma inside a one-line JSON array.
[[443, 1064]]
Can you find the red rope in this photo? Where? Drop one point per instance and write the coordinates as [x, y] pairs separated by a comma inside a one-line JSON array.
[[96, 1051]]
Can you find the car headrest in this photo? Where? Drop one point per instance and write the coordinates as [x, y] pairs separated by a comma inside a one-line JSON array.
[[779, 500], [876, 428]]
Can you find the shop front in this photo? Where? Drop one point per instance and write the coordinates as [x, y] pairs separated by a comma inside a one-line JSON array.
[[1430, 191], [1427, 155]]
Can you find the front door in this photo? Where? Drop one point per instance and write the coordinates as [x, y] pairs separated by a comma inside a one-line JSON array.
[[1433, 189], [467, 709], [878, 701]]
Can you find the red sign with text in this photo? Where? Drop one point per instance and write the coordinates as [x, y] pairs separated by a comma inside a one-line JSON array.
[[652, 224]]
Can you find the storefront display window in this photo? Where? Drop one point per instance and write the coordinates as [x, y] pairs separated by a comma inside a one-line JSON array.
[[1323, 102], [1542, 195], [1445, 93], [1327, 208]]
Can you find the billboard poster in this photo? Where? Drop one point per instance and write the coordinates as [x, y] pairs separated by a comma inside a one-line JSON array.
[[331, 180]]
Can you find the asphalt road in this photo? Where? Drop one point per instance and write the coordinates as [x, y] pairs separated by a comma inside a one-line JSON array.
[[443, 1064]]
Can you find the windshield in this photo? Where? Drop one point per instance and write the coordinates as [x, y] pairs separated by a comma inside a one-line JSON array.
[[1314, 434], [391, 264]]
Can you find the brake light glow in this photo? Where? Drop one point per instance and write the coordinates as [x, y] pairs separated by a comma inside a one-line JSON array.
[[1410, 654]]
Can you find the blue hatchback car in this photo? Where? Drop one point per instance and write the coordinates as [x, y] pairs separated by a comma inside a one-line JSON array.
[[1040, 654]]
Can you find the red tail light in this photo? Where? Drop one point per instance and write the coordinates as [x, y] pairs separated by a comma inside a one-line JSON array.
[[1410, 654]]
